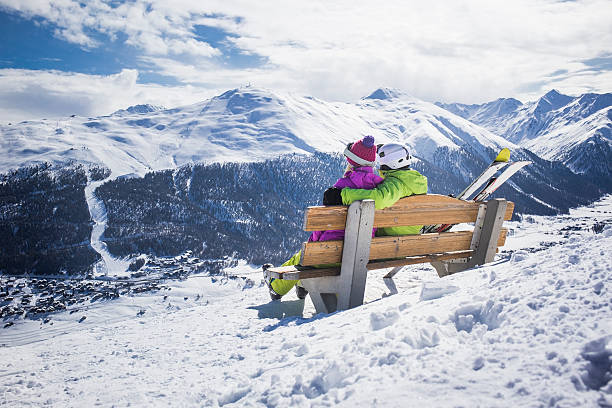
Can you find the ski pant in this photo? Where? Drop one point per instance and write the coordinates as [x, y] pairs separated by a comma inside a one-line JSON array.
[[281, 286]]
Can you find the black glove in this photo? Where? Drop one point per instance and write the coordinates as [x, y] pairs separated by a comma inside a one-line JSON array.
[[332, 196]]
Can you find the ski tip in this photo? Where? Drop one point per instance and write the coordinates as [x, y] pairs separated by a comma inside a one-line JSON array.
[[503, 156]]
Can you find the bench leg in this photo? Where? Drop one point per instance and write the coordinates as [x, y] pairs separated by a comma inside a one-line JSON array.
[[332, 293], [445, 268], [323, 293], [355, 254], [491, 227], [484, 242], [388, 279]]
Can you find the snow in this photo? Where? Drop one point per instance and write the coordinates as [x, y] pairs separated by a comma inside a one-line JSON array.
[[550, 127], [562, 137], [247, 124], [531, 329], [108, 264]]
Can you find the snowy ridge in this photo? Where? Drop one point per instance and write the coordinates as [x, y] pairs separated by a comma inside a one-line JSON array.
[[532, 329], [426, 127], [144, 108], [559, 141], [574, 130], [486, 115], [240, 125]]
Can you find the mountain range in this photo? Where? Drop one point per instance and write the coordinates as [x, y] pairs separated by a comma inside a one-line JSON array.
[[241, 125], [232, 174], [251, 124], [575, 130]]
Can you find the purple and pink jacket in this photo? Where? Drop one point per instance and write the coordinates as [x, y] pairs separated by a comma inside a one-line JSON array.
[[359, 177]]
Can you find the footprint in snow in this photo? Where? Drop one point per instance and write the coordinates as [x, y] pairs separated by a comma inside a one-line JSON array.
[[381, 320], [478, 364], [436, 290]]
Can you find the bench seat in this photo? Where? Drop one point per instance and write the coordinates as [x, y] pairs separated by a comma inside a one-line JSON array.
[[298, 272]]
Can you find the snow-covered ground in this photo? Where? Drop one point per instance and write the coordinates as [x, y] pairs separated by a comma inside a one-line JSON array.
[[532, 329]]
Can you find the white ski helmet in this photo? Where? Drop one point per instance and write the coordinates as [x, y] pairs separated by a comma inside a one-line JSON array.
[[393, 155]]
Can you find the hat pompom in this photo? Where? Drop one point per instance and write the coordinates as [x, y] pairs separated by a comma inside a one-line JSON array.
[[368, 141], [364, 152]]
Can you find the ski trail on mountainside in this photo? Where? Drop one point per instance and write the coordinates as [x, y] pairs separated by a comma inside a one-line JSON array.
[[109, 264]]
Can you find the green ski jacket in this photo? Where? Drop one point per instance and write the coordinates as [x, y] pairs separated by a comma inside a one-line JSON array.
[[397, 184]]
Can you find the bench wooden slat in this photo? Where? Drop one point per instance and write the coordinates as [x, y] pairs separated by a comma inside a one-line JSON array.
[[328, 252], [306, 272], [413, 260], [414, 210]]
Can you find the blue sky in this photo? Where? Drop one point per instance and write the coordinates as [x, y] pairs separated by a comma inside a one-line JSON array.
[[97, 56], [32, 43]]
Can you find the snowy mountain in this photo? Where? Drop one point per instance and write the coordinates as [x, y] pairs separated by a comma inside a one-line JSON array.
[[240, 125], [532, 329], [488, 114], [205, 177], [574, 130], [143, 108]]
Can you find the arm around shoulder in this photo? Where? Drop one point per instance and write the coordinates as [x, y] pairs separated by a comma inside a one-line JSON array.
[[384, 195]]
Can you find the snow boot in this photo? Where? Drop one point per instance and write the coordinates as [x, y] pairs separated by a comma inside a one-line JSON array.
[[301, 292], [268, 280]]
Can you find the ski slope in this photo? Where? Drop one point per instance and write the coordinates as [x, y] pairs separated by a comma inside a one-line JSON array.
[[532, 329], [108, 264]]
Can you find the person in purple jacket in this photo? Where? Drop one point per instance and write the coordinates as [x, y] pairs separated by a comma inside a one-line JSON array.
[[361, 157]]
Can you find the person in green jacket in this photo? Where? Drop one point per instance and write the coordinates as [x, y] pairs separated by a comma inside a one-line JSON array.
[[400, 181]]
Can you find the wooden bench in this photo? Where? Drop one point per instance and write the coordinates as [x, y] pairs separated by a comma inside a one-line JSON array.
[[342, 287]]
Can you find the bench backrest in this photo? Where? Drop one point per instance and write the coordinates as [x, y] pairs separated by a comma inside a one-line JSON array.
[[415, 210]]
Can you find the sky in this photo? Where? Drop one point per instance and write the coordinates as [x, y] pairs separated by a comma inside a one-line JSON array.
[[90, 58]]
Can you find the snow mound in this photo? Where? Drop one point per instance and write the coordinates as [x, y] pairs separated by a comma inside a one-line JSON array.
[[598, 372], [435, 290], [467, 317]]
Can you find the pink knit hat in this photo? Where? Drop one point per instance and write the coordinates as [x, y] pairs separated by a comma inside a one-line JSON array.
[[361, 153]]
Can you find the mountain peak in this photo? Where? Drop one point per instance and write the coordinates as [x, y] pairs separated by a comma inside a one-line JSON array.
[[385, 94], [247, 99], [247, 90], [552, 100], [141, 108], [552, 93]]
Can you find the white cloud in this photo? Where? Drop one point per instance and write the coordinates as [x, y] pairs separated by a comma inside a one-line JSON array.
[[192, 47], [26, 94], [464, 51], [157, 29]]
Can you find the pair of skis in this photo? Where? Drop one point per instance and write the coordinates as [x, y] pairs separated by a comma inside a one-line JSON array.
[[490, 181]]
